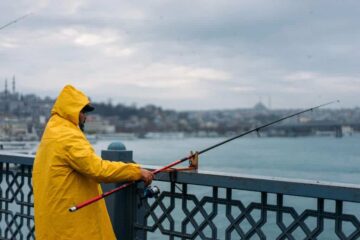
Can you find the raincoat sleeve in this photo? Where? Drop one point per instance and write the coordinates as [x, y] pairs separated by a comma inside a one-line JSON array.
[[82, 158]]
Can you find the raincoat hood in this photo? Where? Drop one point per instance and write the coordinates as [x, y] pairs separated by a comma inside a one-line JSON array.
[[69, 104]]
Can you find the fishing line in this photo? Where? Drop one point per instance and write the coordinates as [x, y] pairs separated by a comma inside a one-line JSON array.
[[15, 21]]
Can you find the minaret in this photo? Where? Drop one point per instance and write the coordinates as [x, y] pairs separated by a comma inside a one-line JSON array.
[[13, 84], [6, 88]]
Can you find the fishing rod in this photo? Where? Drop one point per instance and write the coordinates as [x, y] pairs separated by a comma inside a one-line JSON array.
[[257, 129], [15, 21]]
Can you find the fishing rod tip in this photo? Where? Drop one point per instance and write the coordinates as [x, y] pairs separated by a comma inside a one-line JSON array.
[[73, 209]]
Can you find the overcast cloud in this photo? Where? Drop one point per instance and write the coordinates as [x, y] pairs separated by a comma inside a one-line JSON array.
[[189, 54]]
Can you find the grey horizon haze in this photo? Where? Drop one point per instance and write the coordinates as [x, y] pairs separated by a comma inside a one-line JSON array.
[[186, 55]]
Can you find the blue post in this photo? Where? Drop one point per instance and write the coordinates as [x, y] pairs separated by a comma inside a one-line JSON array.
[[120, 205]]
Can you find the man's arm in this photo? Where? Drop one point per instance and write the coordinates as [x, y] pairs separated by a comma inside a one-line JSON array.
[[81, 157]]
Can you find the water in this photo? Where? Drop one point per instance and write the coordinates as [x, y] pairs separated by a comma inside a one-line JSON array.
[[316, 158]]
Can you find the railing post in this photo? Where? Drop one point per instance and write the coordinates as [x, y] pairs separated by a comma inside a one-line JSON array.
[[121, 205]]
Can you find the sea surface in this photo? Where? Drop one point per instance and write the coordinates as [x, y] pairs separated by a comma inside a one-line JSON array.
[[315, 158]]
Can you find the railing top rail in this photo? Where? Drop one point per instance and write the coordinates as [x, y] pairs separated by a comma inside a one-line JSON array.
[[287, 186], [24, 159]]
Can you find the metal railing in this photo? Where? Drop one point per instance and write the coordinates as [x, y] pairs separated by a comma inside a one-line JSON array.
[[201, 205], [16, 197], [238, 206]]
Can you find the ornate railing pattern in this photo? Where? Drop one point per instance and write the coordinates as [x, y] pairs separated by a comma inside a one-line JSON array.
[[182, 214], [204, 205], [16, 198]]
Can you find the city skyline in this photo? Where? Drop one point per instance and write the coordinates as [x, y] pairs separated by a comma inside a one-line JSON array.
[[188, 55]]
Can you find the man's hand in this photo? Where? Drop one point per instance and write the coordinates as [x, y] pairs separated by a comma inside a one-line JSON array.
[[146, 176]]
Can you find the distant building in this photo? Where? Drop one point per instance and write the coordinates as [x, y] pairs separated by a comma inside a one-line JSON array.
[[260, 108], [22, 116], [96, 124]]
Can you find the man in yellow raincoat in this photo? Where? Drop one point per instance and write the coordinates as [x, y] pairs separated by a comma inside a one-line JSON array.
[[67, 171]]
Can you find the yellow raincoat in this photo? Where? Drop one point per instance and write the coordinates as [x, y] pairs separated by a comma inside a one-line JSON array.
[[67, 172]]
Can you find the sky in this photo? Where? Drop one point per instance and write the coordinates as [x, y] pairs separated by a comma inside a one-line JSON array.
[[185, 55]]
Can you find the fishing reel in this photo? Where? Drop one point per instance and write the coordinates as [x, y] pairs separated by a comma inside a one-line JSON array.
[[151, 191]]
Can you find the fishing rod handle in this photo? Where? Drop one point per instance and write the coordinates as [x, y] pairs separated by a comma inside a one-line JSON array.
[[97, 198], [87, 202]]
